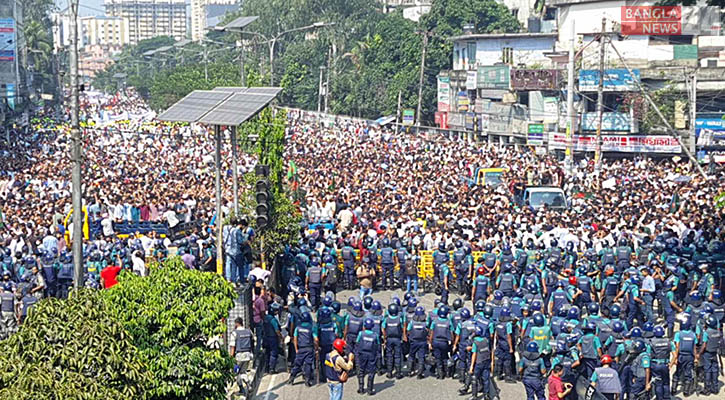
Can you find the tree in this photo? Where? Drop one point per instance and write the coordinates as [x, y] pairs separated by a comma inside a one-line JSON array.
[[170, 316], [168, 88], [71, 349]]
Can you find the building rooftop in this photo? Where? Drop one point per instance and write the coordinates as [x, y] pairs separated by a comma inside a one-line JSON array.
[[478, 36]]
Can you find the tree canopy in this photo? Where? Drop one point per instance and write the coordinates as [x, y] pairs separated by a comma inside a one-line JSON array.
[[371, 57]]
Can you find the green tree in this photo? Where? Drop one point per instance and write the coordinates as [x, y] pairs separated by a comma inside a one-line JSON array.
[[170, 317], [168, 88], [71, 349]]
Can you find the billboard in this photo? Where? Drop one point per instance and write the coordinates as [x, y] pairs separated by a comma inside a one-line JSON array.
[[535, 79], [7, 39], [493, 77], [444, 93], [408, 117], [615, 80], [611, 121], [471, 77], [612, 143], [651, 20], [535, 135]]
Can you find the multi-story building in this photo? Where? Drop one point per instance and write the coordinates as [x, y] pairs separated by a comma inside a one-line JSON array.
[[499, 81], [205, 12], [150, 18], [99, 30]]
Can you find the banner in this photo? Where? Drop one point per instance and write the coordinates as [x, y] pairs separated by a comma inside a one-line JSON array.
[[444, 94], [494, 77], [471, 80], [615, 80], [651, 20], [408, 117], [551, 110], [535, 135], [625, 144], [535, 79], [611, 121], [463, 101], [7, 39]]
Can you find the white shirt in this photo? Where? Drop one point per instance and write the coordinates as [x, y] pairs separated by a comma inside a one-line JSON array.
[[648, 284], [259, 273]]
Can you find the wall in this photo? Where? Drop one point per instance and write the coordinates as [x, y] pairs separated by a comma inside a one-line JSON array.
[[489, 51]]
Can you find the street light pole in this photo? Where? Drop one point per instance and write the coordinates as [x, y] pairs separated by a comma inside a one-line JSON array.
[[272, 43], [420, 81], [77, 245]]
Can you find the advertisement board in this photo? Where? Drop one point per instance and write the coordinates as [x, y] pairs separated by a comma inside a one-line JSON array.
[[7, 39], [470, 120], [444, 93], [408, 117], [493, 77], [535, 135], [535, 79], [551, 110], [463, 101], [625, 144], [710, 122], [471, 80], [615, 80], [651, 20], [611, 121]]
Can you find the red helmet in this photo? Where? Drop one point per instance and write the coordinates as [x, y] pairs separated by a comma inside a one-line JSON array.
[[606, 359], [481, 270], [572, 280], [339, 345]]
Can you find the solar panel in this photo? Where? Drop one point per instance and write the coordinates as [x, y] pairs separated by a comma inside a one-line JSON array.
[[194, 106], [251, 90], [182, 43], [237, 109], [240, 22]]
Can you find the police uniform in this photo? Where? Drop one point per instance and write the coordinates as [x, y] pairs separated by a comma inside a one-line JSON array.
[[481, 346], [503, 353], [461, 267], [8, 324], [481, 284], [393, 329], [659, 365], [532, 375], [353, 324], [590, 348], [270, 340], [685, 359], [465, 332], [387, 261], [417, 332], [314, 276], [445, 274], [607, 380], [305, 357], [441, 339], [712, 340], [348, 262], [368, 351]]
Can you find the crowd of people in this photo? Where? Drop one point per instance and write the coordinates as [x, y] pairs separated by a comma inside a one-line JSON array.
[[611, 292], [148, 187]]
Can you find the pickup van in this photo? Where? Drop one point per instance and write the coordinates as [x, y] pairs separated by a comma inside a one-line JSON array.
[[536, 196]]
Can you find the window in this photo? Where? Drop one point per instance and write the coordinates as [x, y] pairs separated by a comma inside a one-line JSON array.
[[507, 55], [471, 46]]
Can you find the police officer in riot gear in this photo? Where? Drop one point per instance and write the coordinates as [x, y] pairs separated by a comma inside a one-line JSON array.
[[392, 329], [417, 335], [368, 351], [440, 339]]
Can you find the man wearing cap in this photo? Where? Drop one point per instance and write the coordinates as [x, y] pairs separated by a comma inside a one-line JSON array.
[[335, 364]]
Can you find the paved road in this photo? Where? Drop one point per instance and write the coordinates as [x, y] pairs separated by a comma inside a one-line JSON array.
[[275, 387]]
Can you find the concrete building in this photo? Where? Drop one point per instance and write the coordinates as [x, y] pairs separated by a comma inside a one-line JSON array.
[[412, 9], [99, 30], [95, 58], [510, 86], [206, 13], [150, 18]]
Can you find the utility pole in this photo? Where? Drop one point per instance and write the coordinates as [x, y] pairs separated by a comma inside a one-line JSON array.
[[206, 64], [693, 112], [673, 132], [600, 101], [420, 81], [319, 90], [235, 171], [570, 103], [241, 65], [77, 245], [327, 79], [397, 113]]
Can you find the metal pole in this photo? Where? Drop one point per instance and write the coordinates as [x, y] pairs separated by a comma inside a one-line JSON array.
[[570, 103], [206, 64], [662, 117], [319, 91], [241, 73], [218, 190], [271, 61], [600, 102], [693, 110], [327, 79], [420, 80], [397, 113], [77, 245], [235, 173]]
